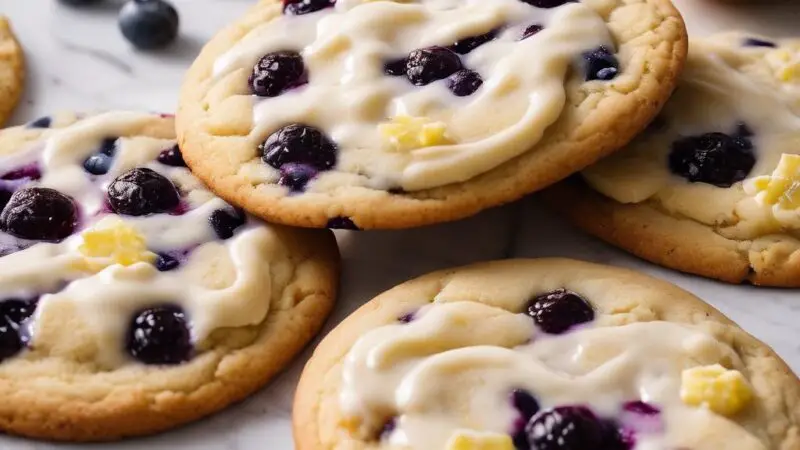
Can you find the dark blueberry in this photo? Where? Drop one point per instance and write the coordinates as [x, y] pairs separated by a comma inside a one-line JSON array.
[[39, 214], [108, 146], [300, 7], [142, 191], [601, 64], [276, 72], [407, 318], [341, 223], [296, 176], [16, 310], [301, 144], [149, 24], [532, 30], [466, 45], [166, 262], [565, 428], [5, 196], [559, 310], [464, 82], [41, 122], [641, 408], [525, 403], [225, 222], [395, 67], [172, 157], [754, 42], [160, 336], [615, 437], [427, 65], [713, 158], [98, 164], [547, 3], [30, 172], [10, 340]]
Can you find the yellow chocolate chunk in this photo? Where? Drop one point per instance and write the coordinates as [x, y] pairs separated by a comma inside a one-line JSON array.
[[783, 186], [409, 133], [721, 390], [117, 242], [474, 440]]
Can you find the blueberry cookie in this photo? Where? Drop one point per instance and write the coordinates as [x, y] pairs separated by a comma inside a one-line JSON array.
[[711, 187], [12, 70], [393, 114], [132, 299], [546, 354]]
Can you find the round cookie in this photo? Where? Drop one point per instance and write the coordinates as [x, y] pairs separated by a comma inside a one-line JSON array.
[[388, 114], [12, 70], [710, 187], [133, 300], [522, 354]]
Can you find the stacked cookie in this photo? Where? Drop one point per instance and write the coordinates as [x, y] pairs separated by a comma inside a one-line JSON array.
[[151, 275]]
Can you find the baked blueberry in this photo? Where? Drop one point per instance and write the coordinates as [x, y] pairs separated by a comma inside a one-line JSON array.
[[341, 223], [149, 24], [565, 428], [39, 213], [41, 122], [142, 191], [276, 72], [166, 262], [713, 158], [226, 221], [5, 196], [30, 172], [464, 82], [296, 176], [172, 157], [427, 65], [755, 42], [300, 7], [98, 164], [547, 3], [557, 311], [160, 335], [300, 144], [395, 67], [532, 30], [525, 403], [17, 310], [11, 342], [601, 64], [13, 312], [466, 45]]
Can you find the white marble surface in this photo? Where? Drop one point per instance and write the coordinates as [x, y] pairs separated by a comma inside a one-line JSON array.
[[78, 60]]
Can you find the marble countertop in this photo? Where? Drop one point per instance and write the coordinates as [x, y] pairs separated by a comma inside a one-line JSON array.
[[77, 59]]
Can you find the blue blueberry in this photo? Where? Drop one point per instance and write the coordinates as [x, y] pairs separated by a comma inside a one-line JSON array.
[[39, 214], [296, 176], [601, 64], [755, 42], [225, 222], [172, 157], [715, 158], [98, 164], [427, 65], [149, 24], [42, 122], [277, 72], [557, 311], [160, 335], [142, 191], [341, 223], [166, 262], [466, 45], [300, 144], [464, 82], [301, 7]]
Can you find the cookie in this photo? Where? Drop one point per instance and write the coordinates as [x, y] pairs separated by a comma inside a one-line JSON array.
[[394, 114], [12, 70], [710, 187], [544, 354], [133, 299]]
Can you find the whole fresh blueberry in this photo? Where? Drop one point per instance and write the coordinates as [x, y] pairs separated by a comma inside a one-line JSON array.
[[160, 335], [565, 428], [342, 223], [39, 213], [532, 30], [142, 191], [557, 311], [395, 67], [226, 221], [547, 3], [149, 24], [427, 65], [172, 157], [300, 7], [464, 82], [166, 262], [718, 159], [601, 64], [296, 176], [98, 164], [276, 72], [466, 45], [299, 144], [41, 122]]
